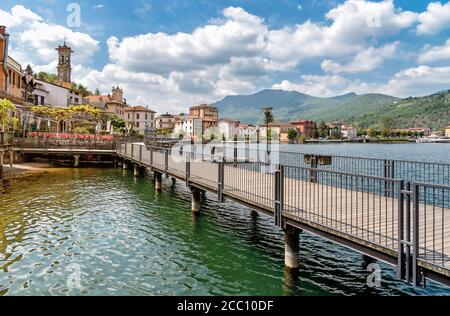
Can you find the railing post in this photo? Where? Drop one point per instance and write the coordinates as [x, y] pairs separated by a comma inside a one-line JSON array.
[[140, 153], [400, 231], [132, 151], [313, 172], [188, 156], [235, 154], [407, 199], [389, 169], [221, 181], [125, 154], [417, 278], [279, 196], [151, 156], [166, 162]]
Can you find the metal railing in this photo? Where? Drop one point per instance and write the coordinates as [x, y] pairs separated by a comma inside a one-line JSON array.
[[408, 170], [69, 144], [408, 218]]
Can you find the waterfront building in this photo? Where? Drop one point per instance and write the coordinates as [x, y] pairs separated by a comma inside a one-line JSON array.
[[207, 113], [278, 129], [334, 130], [249, 132], [229, 129], [349, 132], [166, 122], [11, 75], [112, 103], [139, 118], [190, 126], [55, 95], [447, 132], [425, 131], [306, 127]]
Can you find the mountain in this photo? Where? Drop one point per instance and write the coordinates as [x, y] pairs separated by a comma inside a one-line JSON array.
[[430, 111], [290, 105]]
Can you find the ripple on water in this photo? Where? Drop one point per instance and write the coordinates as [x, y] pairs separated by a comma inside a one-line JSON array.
[[97, 232]]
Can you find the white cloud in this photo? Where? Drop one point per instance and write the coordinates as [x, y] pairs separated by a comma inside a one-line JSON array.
[[320, 86], [18, 16], [437, 53], [33, 40], [435, 19], [352, 23], [364, 61], [237, 53]]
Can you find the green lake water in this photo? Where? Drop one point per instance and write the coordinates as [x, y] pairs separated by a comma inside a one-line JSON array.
[[102, 232]]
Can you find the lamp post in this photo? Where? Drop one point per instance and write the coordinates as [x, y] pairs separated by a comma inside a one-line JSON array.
[[267, 113]]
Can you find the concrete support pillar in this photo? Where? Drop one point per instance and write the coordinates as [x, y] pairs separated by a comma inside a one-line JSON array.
[[158, 181], [196, 201], [77, 161], [1, 165], [292, 247], [11, 157], [174, 181], [120, 163], [125, 165], [136, 170]]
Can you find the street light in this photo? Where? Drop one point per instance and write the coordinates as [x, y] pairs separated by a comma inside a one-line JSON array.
[[268, 113]]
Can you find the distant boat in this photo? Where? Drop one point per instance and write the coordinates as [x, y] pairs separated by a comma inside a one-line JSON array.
[[433, 140]]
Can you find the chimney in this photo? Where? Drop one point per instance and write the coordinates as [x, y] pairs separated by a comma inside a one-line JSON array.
[[2, 30]]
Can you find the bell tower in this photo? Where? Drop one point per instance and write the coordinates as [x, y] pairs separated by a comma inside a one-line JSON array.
[[64, 63]]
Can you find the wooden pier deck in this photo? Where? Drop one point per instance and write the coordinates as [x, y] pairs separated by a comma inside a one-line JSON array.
[[354, 210]]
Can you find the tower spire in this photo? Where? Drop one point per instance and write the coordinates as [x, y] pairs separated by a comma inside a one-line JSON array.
[[64, 62]]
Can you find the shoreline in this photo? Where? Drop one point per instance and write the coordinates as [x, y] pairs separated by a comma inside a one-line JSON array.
[[24, 170]]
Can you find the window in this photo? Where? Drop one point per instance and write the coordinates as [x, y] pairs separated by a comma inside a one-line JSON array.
[[137, 124], [77, 100], [137, 116], [146, 117], [10, 79]]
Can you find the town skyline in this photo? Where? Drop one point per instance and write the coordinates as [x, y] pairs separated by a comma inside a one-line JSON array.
[[400, 49]]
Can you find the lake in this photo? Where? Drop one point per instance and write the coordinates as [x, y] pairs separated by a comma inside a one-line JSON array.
[[102, 232]]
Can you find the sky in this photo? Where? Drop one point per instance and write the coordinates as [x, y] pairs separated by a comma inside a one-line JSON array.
[[172, 54]]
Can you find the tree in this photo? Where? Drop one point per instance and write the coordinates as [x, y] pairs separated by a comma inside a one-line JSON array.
[[372, 133], [97, 92], [316, 134], [292, 134], [7, 120], [52, 78], [388, 123], [29, 70], [385, 133], [82, 90], [323, 129]]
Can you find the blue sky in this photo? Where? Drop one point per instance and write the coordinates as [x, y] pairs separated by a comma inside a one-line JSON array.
[[172, 54]]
